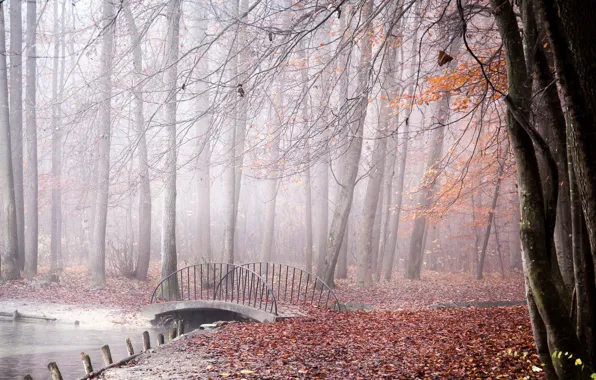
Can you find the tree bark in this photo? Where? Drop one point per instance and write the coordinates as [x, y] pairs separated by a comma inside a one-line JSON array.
[[241, 66], [10, 269], [272, 149], [56, 213], [352, 160], [535, 230], [31, 182], [144, 221], [491, 215], [416, 254], [98, 252], [229, 140], [203, 125], [307, 179], [369, 210], [571, 29], [169, 259], [390, 253], [16, 119]]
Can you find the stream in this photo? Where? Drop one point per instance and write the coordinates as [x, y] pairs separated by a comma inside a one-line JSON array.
[[27, 347]]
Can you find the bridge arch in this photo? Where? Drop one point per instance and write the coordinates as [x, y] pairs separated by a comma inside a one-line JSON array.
[[261, 291]]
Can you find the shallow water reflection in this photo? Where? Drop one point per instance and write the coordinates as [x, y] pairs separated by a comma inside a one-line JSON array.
[[28, 347]]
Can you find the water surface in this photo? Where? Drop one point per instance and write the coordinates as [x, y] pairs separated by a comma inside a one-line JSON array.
[[27, 347]]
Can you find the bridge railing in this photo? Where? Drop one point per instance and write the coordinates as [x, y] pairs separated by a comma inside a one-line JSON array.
[[217, 282], [295, 286]]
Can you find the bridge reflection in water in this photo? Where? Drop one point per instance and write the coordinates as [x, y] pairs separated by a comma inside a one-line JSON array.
[[260, 291]]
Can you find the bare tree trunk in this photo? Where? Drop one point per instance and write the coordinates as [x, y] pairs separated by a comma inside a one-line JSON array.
[[515, 256], [390, 252], [491, 215], [352, 160], [98, 252], [322, 206], [307, 179], [10, 269], [439, 120], [169, 259], [388, 178], [272, 149], [16, 119], [342, 265], [31, 182], [144, 221], [499, 252], [415, 255], [376, 232], [369, 210], [342, 261], [56, 217], [203, 125], [537, 211], [241, 66], [583, 267], [229, 135]]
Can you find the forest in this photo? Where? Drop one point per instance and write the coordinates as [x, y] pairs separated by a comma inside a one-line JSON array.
[[409, 155]]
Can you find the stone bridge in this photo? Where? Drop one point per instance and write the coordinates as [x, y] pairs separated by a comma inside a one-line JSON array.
[[262, 291]]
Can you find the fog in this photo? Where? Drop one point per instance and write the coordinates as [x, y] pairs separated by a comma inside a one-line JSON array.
[[319, 135]]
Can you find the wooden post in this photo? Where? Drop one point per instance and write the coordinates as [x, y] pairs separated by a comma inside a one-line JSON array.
[[86, 363], [180, 327], [172, 334], [159, 339], [129, 347], [27, 377], [106, 354], [54, 371], [146, 342]]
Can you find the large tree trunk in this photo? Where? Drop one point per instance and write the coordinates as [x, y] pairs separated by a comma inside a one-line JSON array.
[[56, 214], [169, 259], [344, 93], [144, 221], [241, 68], [10, 269], [229, 137], [16, 119], [352, 160], [322, 206], [439, 120], [98, 252], [515, 257], [307, 179], [416, 253], [536, 219], [390, 251], [583, 267], [203, 128], [272, 149], [369, 210], [571, 31], [31, 197]]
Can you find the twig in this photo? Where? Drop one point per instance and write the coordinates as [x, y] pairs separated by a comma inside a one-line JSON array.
[[99, 371]]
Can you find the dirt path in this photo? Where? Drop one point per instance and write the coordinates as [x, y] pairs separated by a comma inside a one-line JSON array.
[[172, 361]]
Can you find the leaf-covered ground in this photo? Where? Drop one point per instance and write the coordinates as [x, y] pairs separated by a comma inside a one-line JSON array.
[[75, 288], [130, 294], [434, 287], [432, 344]]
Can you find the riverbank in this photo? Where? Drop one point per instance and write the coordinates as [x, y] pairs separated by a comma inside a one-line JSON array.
[[84, 316], [73, 298]]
